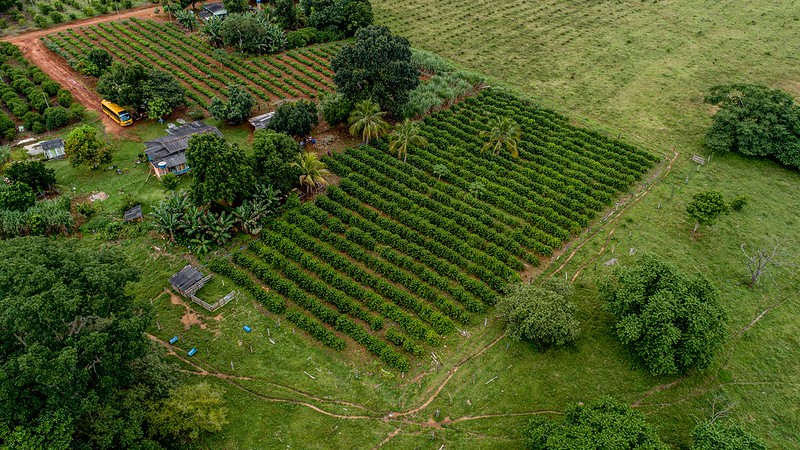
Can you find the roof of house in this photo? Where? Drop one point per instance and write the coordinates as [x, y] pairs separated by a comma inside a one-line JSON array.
[[186, 278], [260, 122], [172, 147], [215, 8], [51, 144], [133, 213]]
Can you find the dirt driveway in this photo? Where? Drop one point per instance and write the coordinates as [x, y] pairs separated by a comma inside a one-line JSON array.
[[59, 70]]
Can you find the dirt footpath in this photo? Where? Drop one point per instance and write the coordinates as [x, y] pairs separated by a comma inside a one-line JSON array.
[[59, 70]]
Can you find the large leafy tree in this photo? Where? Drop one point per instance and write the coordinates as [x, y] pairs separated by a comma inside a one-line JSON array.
[[273, 155], [345, 16], [312, 171], [724, 435], [503, 133], [405, 135], [295, 118], [16, 196], [236, 109], [249, 34], [670, 322], [705, 208], [367, 120], [543, 315], [221, 173], [190, 411], [33, 173], [133, 85], [100, 59], [76, 366], [376, 66], [755, 120], [84, 146], [605, 424]]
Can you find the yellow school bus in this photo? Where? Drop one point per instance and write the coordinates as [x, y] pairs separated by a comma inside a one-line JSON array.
[[117, 113]]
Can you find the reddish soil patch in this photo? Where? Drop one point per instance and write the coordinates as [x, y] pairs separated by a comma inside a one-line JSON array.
[[190, 317]]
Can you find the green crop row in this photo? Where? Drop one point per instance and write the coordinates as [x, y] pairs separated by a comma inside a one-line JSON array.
[[416, 253], [343, 303], [271, 301], [339, 321], [316, 329], [440, 322], [400, 340], [313, 262]]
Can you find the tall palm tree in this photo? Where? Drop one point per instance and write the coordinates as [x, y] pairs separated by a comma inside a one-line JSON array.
[[504, 132], [367, 120], [406, 133], [313, 170]]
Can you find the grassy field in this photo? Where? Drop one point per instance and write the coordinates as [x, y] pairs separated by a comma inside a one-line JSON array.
[[628, 68], [640, 69]]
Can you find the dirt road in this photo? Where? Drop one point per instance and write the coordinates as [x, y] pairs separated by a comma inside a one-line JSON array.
[[59, 70]]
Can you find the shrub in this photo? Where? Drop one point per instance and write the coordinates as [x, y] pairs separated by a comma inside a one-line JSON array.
[[719, 435], [602, 424], [739, 202], [64, 98], [336, 109], [51, 88], [170, 182], [30, 119], [7, 127], [35, 174], [55, 117], [670, 322], [16, 196], [544, 315], [755, 120], [301, 37], [295, 118], [236, 109], [56, 17], [40, 21]]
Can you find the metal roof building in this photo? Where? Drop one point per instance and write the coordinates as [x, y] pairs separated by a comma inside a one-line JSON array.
[[168, 153]]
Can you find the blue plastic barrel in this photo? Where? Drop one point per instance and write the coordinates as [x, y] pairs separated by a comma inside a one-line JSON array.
[[246, 328], [173, 340], [192, 351]]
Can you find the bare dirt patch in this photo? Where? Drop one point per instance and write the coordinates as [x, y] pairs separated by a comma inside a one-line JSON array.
[[190, 317]]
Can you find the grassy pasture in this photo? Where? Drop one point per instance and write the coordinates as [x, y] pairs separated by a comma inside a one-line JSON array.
[[640, 69]]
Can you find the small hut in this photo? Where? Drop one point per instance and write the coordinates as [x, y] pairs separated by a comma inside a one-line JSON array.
[[189, 280], [133, 214]]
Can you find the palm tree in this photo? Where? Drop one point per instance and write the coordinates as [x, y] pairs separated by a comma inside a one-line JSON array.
[[406, 133], [367, 120], [313, 170], [504, 132]]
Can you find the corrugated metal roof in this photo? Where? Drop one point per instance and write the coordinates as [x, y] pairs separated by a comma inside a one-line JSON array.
[[51, 144], [186, 278], [172, 147], [133, 213]]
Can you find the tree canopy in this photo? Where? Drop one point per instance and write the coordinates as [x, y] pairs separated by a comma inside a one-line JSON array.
[[84, 146], [724, 435], [345, 16], [273, 155], [755, 120], [221, 173], [77, 367], [295, 118], [16, 196], [190, 411], [376, 66], [605, 424], [544, 315], [670, 322], [33, 173], [706, 207], [249, 33], [236, 109], [134, 85]]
